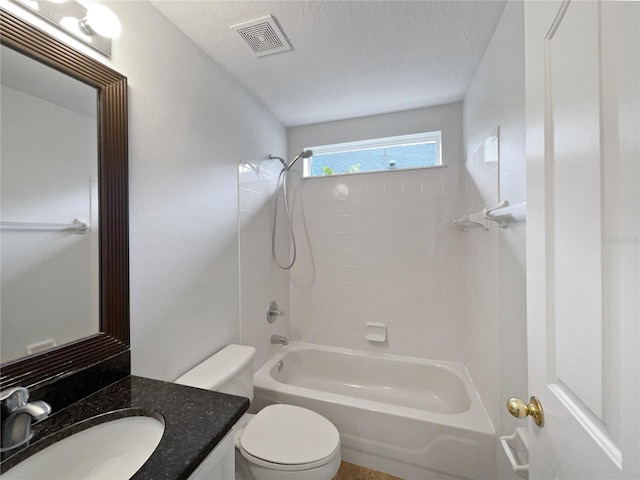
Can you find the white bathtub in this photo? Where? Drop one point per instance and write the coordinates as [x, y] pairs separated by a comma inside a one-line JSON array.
[[416, 419]]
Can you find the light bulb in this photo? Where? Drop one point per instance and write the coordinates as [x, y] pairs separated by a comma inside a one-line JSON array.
[[71, 24], [103, 21]]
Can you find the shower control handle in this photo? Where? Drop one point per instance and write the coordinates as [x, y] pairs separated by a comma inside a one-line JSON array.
[[273, 312]]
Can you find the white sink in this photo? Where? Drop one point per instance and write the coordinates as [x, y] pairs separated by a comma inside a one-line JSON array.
[[109, 451]]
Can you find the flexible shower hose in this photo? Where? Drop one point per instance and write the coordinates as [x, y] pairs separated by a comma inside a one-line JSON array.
[[283, 177]]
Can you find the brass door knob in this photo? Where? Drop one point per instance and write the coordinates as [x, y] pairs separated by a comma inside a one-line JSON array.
[[519, 409]]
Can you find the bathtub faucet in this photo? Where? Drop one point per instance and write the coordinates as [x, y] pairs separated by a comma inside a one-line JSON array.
[[279, 339], [17, 416]]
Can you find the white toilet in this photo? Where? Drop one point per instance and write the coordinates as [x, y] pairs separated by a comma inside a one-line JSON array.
[[281, 442]]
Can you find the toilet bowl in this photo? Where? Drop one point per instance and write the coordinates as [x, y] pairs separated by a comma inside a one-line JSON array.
[[280, 442], [286, 442]]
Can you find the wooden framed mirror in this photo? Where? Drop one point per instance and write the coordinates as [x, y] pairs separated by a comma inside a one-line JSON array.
[[112, 340]]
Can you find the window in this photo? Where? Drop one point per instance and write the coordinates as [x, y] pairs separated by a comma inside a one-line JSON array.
[[380, 154]]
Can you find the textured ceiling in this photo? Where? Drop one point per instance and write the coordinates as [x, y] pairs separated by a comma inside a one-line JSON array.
[[349, 58]]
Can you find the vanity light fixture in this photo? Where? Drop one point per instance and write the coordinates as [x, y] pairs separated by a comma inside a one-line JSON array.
[[101, 21], [93, 24]]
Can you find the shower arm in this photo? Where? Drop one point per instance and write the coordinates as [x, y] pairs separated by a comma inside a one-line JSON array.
[[287, 166], [282, 160]]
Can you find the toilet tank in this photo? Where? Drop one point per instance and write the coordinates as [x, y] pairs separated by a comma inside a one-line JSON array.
[[228, 371]]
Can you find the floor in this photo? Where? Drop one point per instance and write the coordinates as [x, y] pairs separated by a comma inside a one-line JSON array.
[[349, 471]]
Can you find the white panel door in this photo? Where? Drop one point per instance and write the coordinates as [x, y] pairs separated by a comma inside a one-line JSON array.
[[583, 240]]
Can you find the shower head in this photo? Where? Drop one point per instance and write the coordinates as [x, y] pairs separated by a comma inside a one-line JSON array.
[[303, 154]]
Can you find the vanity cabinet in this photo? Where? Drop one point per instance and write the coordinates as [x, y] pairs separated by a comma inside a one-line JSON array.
[[220, 464]]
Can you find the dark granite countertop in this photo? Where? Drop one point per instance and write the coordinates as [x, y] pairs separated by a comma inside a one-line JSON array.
[[195, 422]]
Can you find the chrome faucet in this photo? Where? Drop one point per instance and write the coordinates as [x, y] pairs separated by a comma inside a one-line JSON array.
[[279, 339], [17, 416]]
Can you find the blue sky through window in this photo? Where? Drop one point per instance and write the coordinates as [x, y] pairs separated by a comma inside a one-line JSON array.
[[375, 159]]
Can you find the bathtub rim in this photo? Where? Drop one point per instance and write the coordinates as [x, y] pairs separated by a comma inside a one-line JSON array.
[[475, 419]]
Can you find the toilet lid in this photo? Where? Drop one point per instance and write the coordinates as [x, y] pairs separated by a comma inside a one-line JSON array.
[[289, 435]]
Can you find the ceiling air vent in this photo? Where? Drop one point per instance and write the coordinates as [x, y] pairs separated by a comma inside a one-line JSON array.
[[263, 36]]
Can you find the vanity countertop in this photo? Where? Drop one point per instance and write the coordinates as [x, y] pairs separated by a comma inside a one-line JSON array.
[[195, 421]]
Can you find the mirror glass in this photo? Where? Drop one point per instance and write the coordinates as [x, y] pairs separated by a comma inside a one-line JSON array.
[[101, 354], [49, 239]]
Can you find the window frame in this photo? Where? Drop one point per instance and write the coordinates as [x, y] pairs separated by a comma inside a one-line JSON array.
[[384, 142]]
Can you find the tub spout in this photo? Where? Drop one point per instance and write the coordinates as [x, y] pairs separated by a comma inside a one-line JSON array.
[[279, 339]]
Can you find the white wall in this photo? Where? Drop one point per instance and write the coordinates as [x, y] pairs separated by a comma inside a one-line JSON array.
[[496, 330], [187, 133], [380, 247], [189, 121]]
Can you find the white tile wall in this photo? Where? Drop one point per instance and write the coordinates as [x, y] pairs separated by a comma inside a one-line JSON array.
[[482, 339], [381, 247], [261, 281]]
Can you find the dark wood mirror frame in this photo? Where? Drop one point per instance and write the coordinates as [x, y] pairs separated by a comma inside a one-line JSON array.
[[41, 369]]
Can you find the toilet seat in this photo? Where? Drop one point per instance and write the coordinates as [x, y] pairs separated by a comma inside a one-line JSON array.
[[289, 468], [288, 437]]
